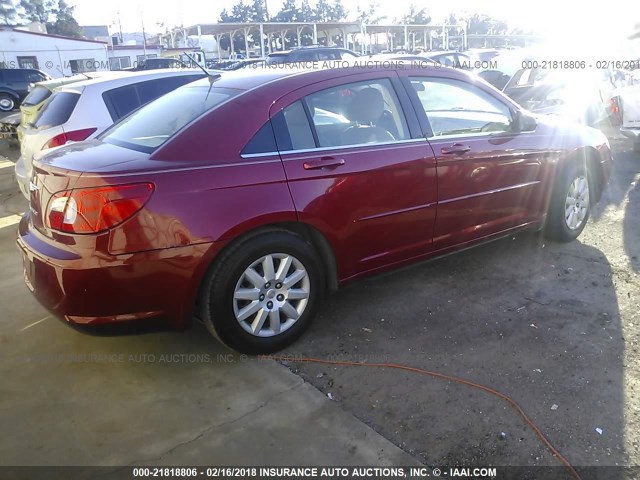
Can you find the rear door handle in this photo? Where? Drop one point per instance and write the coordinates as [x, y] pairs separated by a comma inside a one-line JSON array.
[[324, 162], [456, 148]]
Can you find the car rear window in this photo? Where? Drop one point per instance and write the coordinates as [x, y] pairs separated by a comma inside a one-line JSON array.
[[148, 128], [36, 95], [57, 109], [123, 100]]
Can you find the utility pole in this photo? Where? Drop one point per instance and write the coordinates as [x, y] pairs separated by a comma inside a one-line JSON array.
[[119, 26]]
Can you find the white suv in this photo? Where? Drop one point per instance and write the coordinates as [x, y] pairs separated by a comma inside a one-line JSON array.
[[85, 109]]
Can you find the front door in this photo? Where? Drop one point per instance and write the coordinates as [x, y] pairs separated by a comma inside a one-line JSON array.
[[489, 180]]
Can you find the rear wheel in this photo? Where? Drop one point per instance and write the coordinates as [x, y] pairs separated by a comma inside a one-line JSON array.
[[262, 294], [7, 102], [570, 204]]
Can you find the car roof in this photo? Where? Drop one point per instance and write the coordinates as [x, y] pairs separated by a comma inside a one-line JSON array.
[[57, 82], [247, 79], [124, 78]]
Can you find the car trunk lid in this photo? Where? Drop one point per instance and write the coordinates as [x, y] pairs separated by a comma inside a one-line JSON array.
[[70, 167]]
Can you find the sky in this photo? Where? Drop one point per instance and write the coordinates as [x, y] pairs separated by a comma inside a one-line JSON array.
[[554, 17]]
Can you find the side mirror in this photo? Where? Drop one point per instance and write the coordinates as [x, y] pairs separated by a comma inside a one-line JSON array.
[[523, 122]]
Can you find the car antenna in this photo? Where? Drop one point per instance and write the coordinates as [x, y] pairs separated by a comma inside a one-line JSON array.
[[212, 77]]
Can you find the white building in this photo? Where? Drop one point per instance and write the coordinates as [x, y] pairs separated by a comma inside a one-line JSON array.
[[55, 55], [124, 56]]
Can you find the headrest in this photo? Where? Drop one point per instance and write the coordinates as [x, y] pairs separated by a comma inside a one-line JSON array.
[[367, 106]]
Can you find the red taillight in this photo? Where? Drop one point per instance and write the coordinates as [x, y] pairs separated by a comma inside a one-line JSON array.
[[73, 136], [615, 109], [93, 210]]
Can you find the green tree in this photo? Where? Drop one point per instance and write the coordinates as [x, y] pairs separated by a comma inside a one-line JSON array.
[[370, 15], [37, 10], [416, 17], [64, 23], [306, 12], [8, 12], [288, 13]]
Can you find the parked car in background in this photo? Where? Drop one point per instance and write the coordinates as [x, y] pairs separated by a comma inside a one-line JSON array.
[[577, 96], [310, 54], [41, 91], [84, 109], [156, 63], [453, 59], [10, 125], [229, 65], [14, 85], [317, 178], [624, 110]]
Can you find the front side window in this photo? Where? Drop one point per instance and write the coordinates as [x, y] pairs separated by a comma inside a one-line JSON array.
[[359, 113], [156, 122], [458, 108]]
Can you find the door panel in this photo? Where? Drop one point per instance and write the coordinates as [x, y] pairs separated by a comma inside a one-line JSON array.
[[366, 183], [489, 179]]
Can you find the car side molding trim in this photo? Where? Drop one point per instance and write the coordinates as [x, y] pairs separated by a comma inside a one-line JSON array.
[[338, 147], [489, 192]]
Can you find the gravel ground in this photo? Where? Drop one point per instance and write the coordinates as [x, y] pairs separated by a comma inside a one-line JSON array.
[[554, 326]]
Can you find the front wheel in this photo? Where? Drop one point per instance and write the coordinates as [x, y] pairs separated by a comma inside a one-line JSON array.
[[262, 294], [7, 102], [570, 205]]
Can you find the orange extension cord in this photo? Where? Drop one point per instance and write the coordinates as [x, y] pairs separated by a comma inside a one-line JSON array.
[[441, 376]]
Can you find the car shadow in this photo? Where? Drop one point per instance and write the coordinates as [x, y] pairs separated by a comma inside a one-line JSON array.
[[537, 321], [622, 194]]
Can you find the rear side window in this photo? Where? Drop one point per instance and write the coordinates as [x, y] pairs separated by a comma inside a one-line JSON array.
[[262, 142], [123, 100], [36, 95], [155, 123], [57, 109]]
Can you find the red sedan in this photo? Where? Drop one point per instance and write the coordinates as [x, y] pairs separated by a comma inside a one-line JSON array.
[[243, 199]]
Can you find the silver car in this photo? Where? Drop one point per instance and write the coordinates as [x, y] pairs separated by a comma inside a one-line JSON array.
[[85, 109]]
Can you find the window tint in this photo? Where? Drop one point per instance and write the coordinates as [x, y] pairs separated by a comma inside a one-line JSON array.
[[458, 108], [15, 76], [36, 95], [35, 77], [153, 89], [159, 120], [121, 101], [57, 109], [298, 127], [306, 57], [329, 55], [262, 142], [358, 113]]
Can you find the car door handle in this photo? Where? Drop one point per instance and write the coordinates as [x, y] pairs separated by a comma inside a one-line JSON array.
[[324, 162], [455, 148]]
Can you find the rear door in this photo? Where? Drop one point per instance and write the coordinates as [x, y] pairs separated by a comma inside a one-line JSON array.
[[359, 169], [489, 178]]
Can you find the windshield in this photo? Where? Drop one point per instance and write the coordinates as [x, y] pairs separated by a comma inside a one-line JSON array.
[[148, 128]]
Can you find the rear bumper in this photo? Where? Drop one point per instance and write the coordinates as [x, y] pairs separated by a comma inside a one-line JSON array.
[[94, 288], [22, 177]]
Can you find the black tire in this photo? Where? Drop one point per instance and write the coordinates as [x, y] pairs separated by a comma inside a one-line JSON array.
[[217, 295], [7, 102], [557, 227]]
